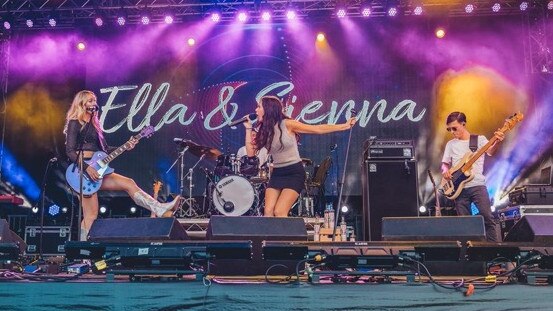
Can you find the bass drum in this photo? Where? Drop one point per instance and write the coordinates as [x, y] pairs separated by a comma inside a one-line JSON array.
[[234, 195]]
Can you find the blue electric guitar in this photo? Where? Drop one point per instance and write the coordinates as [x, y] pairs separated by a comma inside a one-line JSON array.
[[100, 161]]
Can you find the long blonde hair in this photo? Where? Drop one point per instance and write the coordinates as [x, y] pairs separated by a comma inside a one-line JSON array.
[[77, 111]]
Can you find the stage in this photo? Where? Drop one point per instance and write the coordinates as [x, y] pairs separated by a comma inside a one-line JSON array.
[[194, 295]]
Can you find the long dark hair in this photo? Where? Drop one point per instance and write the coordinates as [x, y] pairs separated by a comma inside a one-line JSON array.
[[273, 114]]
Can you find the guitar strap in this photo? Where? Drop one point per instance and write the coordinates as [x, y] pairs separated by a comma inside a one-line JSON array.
[[473, 143]]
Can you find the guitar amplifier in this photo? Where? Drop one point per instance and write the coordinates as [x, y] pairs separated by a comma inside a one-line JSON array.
[[389, 149], [532, 195]]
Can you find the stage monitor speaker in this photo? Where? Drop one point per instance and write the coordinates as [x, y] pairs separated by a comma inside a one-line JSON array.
[[136, 229], [8, 236], [389, 190], [532, 228], [257, 230], [455, 228]]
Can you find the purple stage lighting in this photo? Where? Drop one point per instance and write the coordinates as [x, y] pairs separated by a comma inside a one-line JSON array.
[[7, 25], [392, 11], [417, 10], [524, 5], [341, 13], [168, 19], [290, 14], [54, 210], [366, 12], [496, 7], [145, 20], [550, 5], [99, 21], [469, 8], [52, 22], [266, 16], [121, 21], [29, 23], [242, 16]]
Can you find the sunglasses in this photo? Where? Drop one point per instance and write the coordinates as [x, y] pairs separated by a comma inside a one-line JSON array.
[[452, 129]]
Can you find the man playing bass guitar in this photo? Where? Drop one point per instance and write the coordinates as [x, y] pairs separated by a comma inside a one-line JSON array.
[[475, 190]]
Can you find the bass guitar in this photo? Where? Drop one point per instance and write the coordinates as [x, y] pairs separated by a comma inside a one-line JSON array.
[[100, 161], [461, 173]]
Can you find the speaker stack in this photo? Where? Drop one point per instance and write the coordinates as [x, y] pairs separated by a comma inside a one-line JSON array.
[[389, 184]]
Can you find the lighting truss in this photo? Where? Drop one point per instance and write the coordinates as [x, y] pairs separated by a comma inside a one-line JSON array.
[[73, 13]]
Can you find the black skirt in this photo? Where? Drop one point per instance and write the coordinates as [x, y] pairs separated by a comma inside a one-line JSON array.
[[288, 177]]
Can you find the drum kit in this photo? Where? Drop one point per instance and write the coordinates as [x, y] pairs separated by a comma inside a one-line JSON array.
[[235, 187]]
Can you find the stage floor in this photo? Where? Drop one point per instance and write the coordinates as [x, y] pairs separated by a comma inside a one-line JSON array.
[[194, 295]]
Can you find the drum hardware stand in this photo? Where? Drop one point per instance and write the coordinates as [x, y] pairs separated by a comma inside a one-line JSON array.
[[180, 159], [353, 113], [190, 200], [227, 206]]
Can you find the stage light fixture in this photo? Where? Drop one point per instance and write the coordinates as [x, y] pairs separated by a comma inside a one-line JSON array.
[[496, 7], [290, 14], [392, 11], [365, 11], [99, 21], [321, 37], [52, 22], [64, 210], [145, 19], [523, 6], [550, 5], [34, 209], [133, 209], [266, 16], [121, 20], [418, 10], [7, 25], [103, 209], [191, 41], [81, 46], [422, 209], [215, 17], [341, 12], [242, 16], [469, 8], [29, 22], [168, 19], [440, 33], [344, 209], [53, 210]]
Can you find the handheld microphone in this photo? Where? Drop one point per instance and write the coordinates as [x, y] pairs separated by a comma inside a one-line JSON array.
[[252, 116], [92, 109]]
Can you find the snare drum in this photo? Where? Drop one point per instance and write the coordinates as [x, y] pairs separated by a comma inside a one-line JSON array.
[[234, 195]]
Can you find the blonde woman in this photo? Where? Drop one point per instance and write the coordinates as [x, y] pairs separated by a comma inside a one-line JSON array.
[[83, 111]]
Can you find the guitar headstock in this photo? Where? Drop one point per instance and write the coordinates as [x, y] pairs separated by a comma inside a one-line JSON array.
[[148, 131], [512, 121]]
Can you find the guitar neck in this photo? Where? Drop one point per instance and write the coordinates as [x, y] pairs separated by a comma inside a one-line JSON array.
[[467, 166], [117, 152]]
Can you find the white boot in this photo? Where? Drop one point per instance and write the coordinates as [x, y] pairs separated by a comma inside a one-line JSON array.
[[143, 199], [83, 236]]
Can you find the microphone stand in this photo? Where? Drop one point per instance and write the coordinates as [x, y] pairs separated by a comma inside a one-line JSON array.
[[342, 182], [42, 198], [82, 136]]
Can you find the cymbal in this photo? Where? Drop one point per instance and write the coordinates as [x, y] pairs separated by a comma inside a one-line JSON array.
[[209, 153]]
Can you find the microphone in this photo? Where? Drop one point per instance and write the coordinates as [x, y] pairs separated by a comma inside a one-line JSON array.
[[178, 140], [92, 109], [252, 116]]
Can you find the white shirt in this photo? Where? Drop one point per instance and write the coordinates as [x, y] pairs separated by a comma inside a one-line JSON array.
[[262, 154], [456, 149]]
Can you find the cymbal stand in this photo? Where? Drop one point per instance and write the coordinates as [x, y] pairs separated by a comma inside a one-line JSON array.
[[189, 212]]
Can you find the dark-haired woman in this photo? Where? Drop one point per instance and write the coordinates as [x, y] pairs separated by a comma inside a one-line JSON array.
[[278, 133]]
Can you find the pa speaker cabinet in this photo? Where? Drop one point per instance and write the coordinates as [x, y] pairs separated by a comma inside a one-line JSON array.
[[532, 228], [257, 230], [389, 190], [8, 236], [455, 228], [136, 229]]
